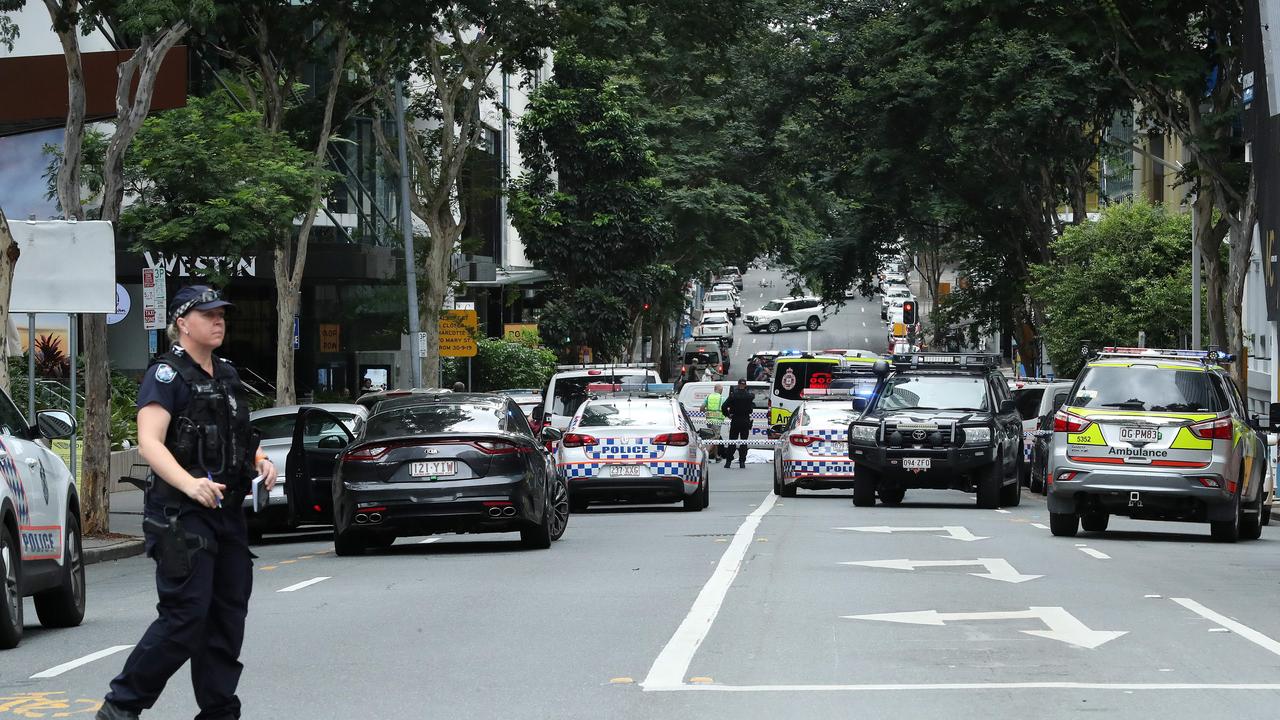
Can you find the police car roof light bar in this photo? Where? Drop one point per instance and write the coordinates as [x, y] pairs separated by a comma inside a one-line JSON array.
[[963, 360], [608, 366], [1205, 356]]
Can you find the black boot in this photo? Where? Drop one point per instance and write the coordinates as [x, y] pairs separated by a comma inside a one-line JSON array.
[[109, 711]]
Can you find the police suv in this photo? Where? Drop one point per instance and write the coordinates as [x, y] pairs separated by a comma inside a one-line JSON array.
[[40, 553], [634, 442], [1156, 435], [939, 421]]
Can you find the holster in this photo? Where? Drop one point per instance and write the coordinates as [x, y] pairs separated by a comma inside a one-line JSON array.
[[175, 548]]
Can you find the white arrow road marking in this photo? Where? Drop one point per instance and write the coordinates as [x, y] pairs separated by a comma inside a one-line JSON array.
[[1227, 623], [303, 584], [57, 670], [955, 532], [997, 568], [669, 668], [1063, 626], [1094, 553]]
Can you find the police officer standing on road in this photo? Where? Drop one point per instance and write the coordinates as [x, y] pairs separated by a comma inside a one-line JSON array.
[[738, 409], [194, 432]]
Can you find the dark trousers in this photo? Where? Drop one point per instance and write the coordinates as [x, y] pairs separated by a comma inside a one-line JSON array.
[[738, 430], [201, 618]]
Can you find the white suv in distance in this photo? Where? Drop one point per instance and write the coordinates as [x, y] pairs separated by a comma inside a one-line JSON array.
[[719, 301], [804, 312]]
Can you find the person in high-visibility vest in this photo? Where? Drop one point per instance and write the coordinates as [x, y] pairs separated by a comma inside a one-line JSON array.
[[711, 406]]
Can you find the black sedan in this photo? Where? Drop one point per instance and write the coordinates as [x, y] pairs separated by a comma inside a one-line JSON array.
[[445, 463]]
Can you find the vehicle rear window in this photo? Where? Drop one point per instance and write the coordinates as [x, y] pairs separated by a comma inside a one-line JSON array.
[[435, 417], [708, 354], [718, 297], [627, 413], [828, 413], [571, 392], [791, 378], [1028, 402], [279, 427], [1147, 388]]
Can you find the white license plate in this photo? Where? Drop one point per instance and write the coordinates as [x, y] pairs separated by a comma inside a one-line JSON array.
[[626, 470], [435, 468], [1138, 433], [916, 463]]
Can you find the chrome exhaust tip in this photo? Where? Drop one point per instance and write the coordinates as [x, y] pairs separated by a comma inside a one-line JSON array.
[[375, 517], [508, 511], [362, 518], [495, 512]]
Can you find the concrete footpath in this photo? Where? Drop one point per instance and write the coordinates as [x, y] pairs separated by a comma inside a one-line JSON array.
[[125, 539]]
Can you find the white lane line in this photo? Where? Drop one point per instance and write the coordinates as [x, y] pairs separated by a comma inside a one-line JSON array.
[[1094, 553], [428, 541], [866, 339], [303, 584], [671, 664], [1042, 526], [1004, 512], [57, 670], [970, 686], [1227, 623]]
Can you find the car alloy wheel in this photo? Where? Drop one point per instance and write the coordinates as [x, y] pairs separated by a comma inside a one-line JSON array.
[[774, 326], [10, 592], [559, 509]]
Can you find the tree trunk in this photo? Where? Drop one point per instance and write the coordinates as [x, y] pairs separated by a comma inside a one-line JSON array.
[[435, 287], [1241, 256], [8, 259], [288, 303], [68, 181], [95, 484]]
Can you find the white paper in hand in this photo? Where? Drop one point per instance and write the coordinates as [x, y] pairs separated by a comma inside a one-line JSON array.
[[260, 493]]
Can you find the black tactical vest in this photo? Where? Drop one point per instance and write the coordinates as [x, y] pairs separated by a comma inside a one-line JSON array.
[[212, 435]]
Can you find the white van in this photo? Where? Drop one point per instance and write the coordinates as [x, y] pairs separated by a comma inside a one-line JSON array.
[[567, 389], [692, 395]]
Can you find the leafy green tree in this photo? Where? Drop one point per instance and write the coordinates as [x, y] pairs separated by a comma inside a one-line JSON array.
[[210, 179], [1129, 271], [501, 364], [589, 206]]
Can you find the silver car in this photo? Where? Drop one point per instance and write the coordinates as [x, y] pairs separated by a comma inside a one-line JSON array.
[[278, 425], [1156, 435]]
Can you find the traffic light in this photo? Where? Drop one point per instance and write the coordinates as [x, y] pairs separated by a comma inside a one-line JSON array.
[[908, 313]]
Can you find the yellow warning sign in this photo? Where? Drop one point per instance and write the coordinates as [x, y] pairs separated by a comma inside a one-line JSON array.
[[457, 333]]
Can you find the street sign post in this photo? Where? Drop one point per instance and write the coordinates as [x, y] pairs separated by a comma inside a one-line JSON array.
[[457, 333]]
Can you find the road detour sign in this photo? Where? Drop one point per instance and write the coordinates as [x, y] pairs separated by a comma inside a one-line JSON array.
[[457, 333]]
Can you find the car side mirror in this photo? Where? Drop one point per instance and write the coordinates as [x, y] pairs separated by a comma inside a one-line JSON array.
[[775, 431], [550, 435], [861, 403], [331, 442], [55, 424], [1008, 406]]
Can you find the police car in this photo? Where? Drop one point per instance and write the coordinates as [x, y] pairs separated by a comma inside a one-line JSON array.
[[40, 552], [1156, 435], [813, 452], [633, 443]]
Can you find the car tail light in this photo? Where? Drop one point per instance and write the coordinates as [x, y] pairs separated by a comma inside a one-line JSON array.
[[366, 453], [804, 440], [721, 371], [1219, 429], [1067, 475], [1064, 421], [491, 447], [577, 440], [678, 439], [1209, 482]]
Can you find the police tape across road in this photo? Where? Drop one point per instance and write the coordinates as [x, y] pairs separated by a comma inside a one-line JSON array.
[[761, 444]]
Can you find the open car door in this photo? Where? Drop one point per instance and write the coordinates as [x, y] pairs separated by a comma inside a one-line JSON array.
[[319, 437]]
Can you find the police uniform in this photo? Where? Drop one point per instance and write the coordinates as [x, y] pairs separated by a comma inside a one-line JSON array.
[[204, 569]]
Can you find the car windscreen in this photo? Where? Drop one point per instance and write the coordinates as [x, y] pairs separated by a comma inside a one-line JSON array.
[[828, 412], [705, 353], [624, 412], [571, 392], [772, 306], [718, 297], [1147, 388], [793, 377], [435, 417], [279, 427], [906, 392], [1028, 402]]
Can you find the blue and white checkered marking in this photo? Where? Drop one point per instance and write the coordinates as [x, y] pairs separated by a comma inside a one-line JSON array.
[[819, 467], [12, 479], [827, 446], [658, 468]]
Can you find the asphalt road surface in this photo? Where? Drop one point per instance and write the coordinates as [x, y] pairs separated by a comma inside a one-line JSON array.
[[755, 608]]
